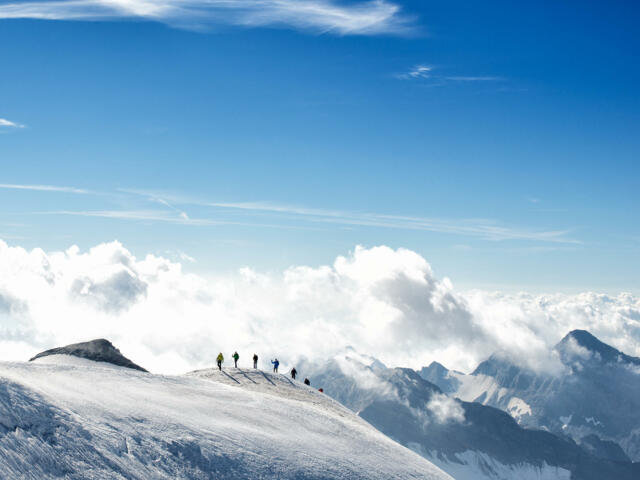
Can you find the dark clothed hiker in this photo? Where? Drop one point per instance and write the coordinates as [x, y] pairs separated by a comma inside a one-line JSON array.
[[235, 357]]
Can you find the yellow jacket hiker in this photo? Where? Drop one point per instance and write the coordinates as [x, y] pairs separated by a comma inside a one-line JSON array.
[[220, 359]]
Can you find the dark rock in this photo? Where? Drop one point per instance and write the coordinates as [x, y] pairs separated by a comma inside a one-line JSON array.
[[99, 350], [601, 351]]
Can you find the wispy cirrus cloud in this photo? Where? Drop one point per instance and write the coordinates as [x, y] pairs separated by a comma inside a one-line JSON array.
[[474, 79], [44, 188], [182, 214], [416, 72], [318, 16], [480, 228], [274, 215], [143, 215], [430, 73], [4, 123], [163, 216]]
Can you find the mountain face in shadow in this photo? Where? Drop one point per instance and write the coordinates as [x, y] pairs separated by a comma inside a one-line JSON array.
[[466, 439], [595, 399]]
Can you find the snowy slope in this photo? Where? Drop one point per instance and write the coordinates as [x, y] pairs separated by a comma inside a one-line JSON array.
[[63, 416]]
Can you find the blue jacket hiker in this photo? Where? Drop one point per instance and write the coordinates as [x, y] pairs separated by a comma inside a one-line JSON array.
[[275, 365]]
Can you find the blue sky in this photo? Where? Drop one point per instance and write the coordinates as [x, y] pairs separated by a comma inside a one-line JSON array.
[[497, 139]]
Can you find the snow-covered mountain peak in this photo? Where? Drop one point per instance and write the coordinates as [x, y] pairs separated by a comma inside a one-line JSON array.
[[99, 350], [581, 343], [595, 400], [495, 363], [437, 366], [439, 375], [350, 354]]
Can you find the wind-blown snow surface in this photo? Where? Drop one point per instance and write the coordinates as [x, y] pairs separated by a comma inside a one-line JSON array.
[[68, 417]]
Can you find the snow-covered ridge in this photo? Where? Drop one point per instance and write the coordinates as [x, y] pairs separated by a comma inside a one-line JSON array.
[[70, 417]]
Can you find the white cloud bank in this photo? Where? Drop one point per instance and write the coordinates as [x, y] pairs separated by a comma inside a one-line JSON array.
[[320, 16], [383, 302]]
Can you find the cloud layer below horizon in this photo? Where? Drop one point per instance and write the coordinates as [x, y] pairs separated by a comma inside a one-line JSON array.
[[383, 302], [319, 16]]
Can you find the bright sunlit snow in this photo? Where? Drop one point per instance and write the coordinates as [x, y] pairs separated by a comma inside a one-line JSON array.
[[63, 416]]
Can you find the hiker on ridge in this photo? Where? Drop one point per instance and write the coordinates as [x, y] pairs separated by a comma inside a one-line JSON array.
[[220, 359], [294, 372], [276, 363], [235, 357], [255, 360], [307, 382]]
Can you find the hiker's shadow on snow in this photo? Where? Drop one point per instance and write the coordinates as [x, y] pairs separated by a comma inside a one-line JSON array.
[[231, 377], [244, 374], [267, 378], [291, 382]]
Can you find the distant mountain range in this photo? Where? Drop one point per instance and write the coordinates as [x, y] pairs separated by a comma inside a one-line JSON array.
[[595, 399], [507, 423]]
